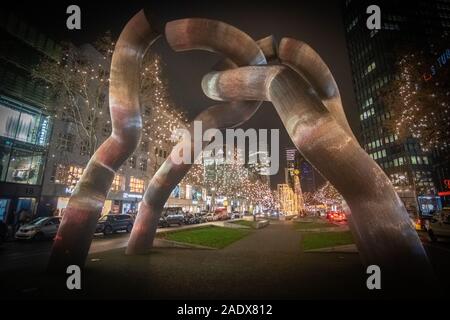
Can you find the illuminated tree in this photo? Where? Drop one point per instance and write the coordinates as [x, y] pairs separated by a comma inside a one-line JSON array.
[[79, 81], [327, 195], [232, 180], [419, 96]]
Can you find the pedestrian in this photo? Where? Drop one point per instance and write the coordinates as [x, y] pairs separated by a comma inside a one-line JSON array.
[[10, 224]]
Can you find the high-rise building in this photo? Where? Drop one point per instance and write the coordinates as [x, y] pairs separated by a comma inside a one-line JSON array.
[[25, 127], [372, 58], [309, 177]]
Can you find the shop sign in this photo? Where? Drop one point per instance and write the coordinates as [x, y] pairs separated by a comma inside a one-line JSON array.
[[132, 195]]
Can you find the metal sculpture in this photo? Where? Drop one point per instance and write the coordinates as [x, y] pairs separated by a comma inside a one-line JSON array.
[[306, 97], [240, 49], [383, 228], [78, 225]]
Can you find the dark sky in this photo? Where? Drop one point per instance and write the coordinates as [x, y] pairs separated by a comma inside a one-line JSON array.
[[318, 23]]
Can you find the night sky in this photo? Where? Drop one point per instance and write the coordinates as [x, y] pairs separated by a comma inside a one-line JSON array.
[[319, 23]]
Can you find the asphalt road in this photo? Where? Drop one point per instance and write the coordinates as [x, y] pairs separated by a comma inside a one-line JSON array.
[[16, 254]]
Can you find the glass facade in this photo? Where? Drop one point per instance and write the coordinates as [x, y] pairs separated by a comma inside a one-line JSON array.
[[24, 134], [372, 59]]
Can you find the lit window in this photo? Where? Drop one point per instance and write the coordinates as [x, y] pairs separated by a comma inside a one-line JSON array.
[[136, 185], [118, 183], [68, 176]]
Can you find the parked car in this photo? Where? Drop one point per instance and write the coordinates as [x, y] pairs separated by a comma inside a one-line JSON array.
[[190, 218], [235, 215], [211, 217], [221, 214], [336, 216], [111, 223], [439, 225], [202, 217], [39, 229], [171, 216]]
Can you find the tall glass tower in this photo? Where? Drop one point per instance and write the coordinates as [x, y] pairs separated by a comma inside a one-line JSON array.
[[372, 55]]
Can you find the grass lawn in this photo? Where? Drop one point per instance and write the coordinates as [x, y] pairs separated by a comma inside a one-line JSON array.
[[211, 236], [251, 224], [313, 225], [318, 240]]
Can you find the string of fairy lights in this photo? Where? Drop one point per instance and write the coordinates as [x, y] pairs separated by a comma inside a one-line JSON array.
[[325, 195], [232, 180], [81, 87], [161, 118], [422, 109]]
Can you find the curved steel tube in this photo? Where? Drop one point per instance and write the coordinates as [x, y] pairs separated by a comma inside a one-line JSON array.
[[306, 61], [386, 233], [239, 49], [75, 233]]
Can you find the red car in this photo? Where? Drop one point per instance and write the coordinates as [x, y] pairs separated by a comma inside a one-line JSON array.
[[336, 216]]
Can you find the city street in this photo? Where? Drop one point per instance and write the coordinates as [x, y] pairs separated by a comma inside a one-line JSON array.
[[268, 263], [16, 254]]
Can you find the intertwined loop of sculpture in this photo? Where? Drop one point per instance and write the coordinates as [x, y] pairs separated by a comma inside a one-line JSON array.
[[304, 93]]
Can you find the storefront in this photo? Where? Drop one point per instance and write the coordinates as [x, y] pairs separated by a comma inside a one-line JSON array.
[[129, 202], [15, 198], [190, 198], [24, 133]]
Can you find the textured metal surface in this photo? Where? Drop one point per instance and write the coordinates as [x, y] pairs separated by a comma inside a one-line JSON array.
[[75, 233], [387, 237], [239, 49]]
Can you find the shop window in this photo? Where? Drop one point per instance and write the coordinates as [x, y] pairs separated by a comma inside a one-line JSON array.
[[25, 167], [65, 142], [136, 185], [118, 183]]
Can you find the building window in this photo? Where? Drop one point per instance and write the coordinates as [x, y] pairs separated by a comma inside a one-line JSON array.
[[21, 165], [136, 185], [106, 129], [68, 175], [132, 162], [118, 183], [144, 146], [84, 148], [28, 127], [143, 164], [65, 142]]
